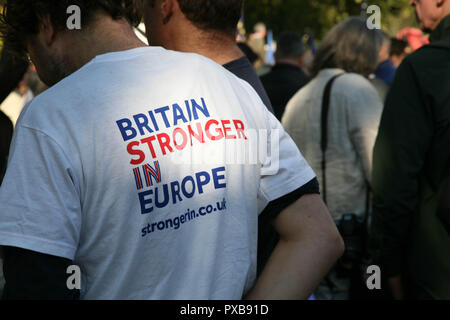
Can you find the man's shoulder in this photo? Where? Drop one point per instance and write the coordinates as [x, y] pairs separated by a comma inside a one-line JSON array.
[[429, 67], [434, 55]]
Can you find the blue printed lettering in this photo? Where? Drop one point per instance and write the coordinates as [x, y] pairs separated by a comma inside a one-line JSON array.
[[126, 129], [217, 178], [202, 182], [143, 198]]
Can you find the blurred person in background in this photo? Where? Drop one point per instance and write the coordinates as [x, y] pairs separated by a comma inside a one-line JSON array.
[[411, 164], [400, 49], [385, 73], [386, 69], [12, 70], [287, 76], [207, 28], [379, 85], [339, 149], [257, 41], [416, 38], [13, 105]]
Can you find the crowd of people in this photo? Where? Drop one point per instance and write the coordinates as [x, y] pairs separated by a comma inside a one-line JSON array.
[[361, 125]]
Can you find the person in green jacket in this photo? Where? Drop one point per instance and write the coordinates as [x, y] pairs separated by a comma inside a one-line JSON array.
[[411, 165]]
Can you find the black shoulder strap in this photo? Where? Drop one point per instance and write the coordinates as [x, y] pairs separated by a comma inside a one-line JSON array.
[[324, 130]]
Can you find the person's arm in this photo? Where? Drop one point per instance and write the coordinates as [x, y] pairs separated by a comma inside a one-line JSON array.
[[267, 236], [404, 137], [309, 246], [34, 276]]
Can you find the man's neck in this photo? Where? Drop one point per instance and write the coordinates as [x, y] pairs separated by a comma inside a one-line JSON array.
[[218, 47], [442, 29], [103, 36]]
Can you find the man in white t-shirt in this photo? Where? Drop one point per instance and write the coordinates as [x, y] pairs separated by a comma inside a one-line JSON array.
[[136, 168]]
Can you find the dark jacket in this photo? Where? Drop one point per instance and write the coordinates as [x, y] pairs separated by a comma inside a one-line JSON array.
[[411, 155], [282, 83]]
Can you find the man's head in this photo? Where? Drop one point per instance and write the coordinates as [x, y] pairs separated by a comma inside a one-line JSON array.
[[400, 49], [164, 18], [39, 28], [349, 46], [260, 30], [290, 49], [430, 13]]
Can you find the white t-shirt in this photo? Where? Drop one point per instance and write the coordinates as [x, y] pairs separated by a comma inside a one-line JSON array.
[[104, 170]]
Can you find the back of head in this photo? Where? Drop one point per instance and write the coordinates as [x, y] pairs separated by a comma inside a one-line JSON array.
[[398, 47], [350, 46], [20, 18], [289, 46], [213, 15]]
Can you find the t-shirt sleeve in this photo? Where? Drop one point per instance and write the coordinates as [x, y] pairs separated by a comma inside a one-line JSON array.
[[285, 169], [40, 206]]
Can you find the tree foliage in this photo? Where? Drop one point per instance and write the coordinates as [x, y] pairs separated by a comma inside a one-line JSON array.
[[319, 16]]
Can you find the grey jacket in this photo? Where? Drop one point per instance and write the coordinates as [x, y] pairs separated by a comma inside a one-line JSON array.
[[355, 112]]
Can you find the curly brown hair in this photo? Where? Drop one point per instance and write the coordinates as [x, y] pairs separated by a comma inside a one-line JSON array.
[[19, 19]]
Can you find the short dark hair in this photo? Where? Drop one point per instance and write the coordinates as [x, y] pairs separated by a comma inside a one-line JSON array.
[[398, 47], [217, 15], [289, 46], [20, 18], [350, 46]]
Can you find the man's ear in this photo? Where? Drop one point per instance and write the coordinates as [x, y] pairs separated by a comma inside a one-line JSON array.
[[47, 31], [167, 10]]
